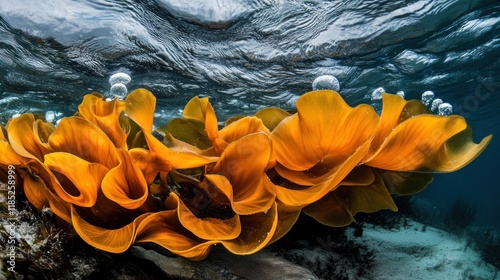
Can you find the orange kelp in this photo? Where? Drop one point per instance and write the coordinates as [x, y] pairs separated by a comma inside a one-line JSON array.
[[190, 185]]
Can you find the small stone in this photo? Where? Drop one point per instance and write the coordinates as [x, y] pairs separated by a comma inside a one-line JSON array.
[[222, 264]]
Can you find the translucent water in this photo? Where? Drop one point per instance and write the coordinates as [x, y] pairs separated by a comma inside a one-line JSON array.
[[246, 55]]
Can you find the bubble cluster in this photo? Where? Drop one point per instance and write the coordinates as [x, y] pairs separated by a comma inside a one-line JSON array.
[[326, 82], [118, 82], [437, 105]]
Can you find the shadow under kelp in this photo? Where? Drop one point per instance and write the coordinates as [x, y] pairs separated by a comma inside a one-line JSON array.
[[326, 251], [457, 219], [460, 216], [409, 208], [487, 242]]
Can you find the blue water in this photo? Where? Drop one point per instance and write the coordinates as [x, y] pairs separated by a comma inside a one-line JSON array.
[[248, 54]]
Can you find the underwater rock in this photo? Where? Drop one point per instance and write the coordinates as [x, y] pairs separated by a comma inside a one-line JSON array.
[[409, 250], [223, 265]]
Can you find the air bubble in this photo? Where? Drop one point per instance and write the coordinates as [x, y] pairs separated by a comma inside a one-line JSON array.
[[52, 116], [119, 78], [427, 98], [445, 109], [435, 104], [376, 98], [326, 82], [401, 94], [118, 90], [377, 94]]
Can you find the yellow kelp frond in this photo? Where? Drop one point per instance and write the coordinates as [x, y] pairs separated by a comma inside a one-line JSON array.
[[408, 140], [28, 137], [192, 183], [82, 138], [140, 106], [323, 125], [106, 115]]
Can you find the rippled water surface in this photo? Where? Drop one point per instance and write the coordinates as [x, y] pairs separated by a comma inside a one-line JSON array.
[[248, 54]]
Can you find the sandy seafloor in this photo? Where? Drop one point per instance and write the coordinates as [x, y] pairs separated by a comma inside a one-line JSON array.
[[411, 253]]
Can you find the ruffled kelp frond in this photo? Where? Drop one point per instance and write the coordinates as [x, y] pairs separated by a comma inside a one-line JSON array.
[[140, 106], [79, 188], [107, 116], [125, 184], [209, 228], [243, 179], [367, 193], [38, 193], [28, 137], [409, 139], [299, 195], [323, 125], [257, 231], [108, 173], [85, 140]]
